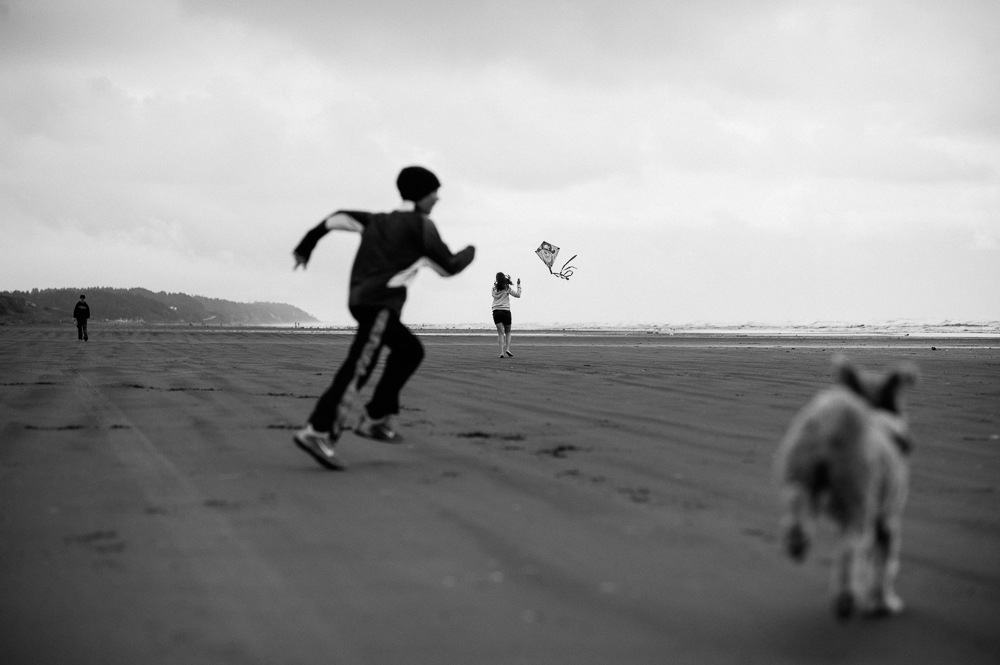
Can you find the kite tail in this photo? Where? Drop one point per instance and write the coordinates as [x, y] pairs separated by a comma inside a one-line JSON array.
[[565, 272]]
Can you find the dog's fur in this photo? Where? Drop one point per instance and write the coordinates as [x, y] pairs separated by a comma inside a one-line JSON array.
[[844, 457]]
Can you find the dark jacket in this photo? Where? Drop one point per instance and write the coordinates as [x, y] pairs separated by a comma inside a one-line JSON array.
[[82, 311], [393, 247]]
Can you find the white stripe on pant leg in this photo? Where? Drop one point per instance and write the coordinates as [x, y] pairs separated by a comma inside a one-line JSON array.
[[361, 368]]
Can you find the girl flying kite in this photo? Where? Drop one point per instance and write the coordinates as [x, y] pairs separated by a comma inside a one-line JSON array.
[[501, 310]]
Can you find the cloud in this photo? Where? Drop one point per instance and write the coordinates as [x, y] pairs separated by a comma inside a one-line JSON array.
[[212, 134]]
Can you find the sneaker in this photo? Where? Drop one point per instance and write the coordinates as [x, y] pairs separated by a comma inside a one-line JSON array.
[[377, 428], [509, 354], [319, 445]]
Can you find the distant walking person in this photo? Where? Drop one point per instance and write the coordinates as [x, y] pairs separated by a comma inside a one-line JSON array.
[[393, 247], [501, 310], [81, 313]]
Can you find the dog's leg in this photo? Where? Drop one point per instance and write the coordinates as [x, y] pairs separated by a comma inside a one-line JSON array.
[[888, 531], [848, 572], [797, 522], [843, 599]]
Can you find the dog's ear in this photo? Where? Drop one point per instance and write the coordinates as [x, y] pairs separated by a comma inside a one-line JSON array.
[[847, 374], [888, 396], [904, 443]]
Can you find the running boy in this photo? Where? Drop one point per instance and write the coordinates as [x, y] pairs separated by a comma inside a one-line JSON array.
[[393, 247]]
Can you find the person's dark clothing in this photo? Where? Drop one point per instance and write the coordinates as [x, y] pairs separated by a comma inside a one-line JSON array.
[[393, 247], [81, 313], [377, 328]]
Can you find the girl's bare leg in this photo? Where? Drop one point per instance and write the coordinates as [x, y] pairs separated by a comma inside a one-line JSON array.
[[506, 329], [500, 336]]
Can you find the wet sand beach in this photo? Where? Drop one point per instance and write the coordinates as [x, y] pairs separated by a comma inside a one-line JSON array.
[[598, 498]]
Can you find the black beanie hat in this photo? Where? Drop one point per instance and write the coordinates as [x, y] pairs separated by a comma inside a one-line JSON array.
[[416, 182]]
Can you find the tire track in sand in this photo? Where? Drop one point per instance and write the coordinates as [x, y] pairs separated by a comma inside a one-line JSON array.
[[249, 596]]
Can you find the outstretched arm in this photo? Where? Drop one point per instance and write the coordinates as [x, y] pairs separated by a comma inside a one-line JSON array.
[[517, 294], [344, 220], [443, 261]]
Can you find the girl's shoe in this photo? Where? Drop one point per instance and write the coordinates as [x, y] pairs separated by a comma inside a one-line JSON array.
[[509, 354]]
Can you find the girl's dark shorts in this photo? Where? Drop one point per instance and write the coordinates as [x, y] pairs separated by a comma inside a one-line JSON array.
[[501, 316]]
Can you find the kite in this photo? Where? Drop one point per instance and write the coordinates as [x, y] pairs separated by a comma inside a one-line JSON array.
[[548, 252]]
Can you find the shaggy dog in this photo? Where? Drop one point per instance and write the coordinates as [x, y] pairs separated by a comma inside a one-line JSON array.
[[844, 456]]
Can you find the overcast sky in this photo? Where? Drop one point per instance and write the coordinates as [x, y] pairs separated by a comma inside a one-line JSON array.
[[725, 161]]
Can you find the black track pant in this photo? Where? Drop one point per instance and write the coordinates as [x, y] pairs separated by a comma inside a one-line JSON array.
[[81, 328], [376, 328]]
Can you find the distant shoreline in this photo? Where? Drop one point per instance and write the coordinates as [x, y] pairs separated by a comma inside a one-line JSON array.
[[923, 332], [988, 330]]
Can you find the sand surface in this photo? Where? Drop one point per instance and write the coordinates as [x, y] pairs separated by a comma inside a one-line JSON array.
[[596, 499]]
